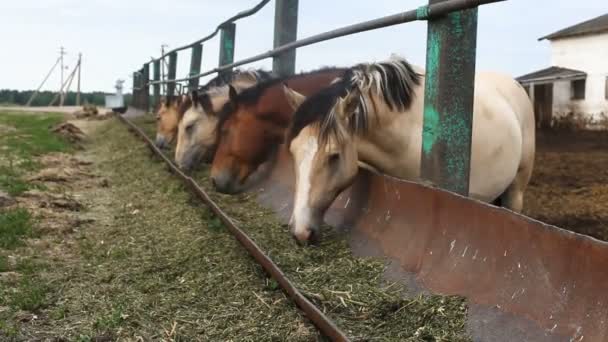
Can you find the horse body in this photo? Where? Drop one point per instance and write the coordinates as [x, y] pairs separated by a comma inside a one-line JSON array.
[[196, 134], [369, 125], [253, 124]]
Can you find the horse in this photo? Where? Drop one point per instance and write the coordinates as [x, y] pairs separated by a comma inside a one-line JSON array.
[[168, 117], [372, 118], [252, 126], [196, 131]]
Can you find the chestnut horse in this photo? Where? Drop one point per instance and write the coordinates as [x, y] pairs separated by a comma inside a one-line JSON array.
[[252, 126], [196, 131]]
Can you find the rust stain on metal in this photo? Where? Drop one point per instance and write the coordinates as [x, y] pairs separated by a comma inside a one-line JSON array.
[[518, 274]]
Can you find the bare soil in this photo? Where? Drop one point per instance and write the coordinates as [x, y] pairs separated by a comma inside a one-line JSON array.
[[569, 187]]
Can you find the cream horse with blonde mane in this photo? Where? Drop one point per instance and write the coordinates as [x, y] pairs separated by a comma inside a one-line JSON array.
[[372, 117], [196, 134]]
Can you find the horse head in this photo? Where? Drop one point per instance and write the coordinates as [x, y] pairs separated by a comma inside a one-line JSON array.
[[197, 130], [167, 120]]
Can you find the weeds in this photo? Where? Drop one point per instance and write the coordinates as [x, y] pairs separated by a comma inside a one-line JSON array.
[[15, 225]]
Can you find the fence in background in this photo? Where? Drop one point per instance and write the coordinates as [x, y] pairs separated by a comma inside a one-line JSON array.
[[450, 69]]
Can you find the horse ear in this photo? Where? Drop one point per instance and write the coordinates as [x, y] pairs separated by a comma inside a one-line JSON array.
[[232, 93], [205, 102], [349, 104], [294, 98]]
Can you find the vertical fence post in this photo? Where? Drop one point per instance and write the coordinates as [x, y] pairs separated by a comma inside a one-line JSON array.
[[156, 86], [448, 100], [285, 31], [228, 32], [145, 87], [195, 65], [171, 74], [134, 92]]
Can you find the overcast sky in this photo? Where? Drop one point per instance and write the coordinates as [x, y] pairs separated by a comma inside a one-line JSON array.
[[117, 36]]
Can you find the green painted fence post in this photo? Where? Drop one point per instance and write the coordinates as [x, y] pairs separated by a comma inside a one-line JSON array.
[[448, 100], [195, 65], [134, 92], [156, 85], [227, 35], [171, 74], [145, 86], [285, 31]]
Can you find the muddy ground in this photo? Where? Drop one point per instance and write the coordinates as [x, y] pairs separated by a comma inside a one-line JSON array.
[[569, 187]]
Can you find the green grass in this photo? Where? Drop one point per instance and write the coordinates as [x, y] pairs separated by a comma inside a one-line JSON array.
[[31, 135], [30, 295], [4, 267], [11, 182], [23, 137], [15, 225]]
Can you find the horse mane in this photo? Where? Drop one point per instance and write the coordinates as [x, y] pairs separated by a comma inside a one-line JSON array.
[[214, 85], [253, 94], [223, 79], [393, 81]]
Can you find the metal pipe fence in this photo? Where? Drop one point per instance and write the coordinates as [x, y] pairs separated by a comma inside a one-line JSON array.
[[449, 83]]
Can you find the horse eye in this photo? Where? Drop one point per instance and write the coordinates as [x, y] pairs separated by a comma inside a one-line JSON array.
[[333, 159], [189, 128]]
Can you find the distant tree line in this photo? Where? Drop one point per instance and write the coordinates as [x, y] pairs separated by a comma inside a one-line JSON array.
[[20, 97]]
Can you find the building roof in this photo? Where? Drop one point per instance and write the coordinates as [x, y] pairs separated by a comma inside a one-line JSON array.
[[551, 74], [595, 25]]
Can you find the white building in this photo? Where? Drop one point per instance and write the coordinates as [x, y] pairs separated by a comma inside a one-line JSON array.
[[574, 90]]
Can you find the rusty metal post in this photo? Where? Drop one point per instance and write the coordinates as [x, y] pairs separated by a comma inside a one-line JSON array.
[[228, 32], [171, 74], [195, 65], [145, 87], [448, 99], [285, 31], [156, 86]]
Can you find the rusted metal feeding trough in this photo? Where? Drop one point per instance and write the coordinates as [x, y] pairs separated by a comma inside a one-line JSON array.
[[524, 280]]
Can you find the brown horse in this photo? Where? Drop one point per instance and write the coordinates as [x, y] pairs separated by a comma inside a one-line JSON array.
[[252, 126], [172, 109], [196, 131]]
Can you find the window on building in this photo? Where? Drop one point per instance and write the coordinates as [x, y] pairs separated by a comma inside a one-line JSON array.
[[578, 90]]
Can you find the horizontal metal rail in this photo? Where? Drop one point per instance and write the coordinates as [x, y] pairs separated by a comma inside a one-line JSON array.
[[322, 322], [240, 15], [422, 13]]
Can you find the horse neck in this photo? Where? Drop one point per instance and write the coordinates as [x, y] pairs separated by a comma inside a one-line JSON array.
[[392, 143], [274, 102]]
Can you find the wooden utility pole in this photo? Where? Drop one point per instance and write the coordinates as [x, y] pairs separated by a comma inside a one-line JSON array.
[[29, 102], [78, 84], [61, 54]]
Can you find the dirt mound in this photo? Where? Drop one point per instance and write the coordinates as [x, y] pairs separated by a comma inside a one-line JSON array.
[[69, 131], [6, 200]]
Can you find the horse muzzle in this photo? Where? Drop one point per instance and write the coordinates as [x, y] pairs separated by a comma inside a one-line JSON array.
[[225, 183], [161, 142]]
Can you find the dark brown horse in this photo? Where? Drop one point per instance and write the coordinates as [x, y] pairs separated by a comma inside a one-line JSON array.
[[253, 123]]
